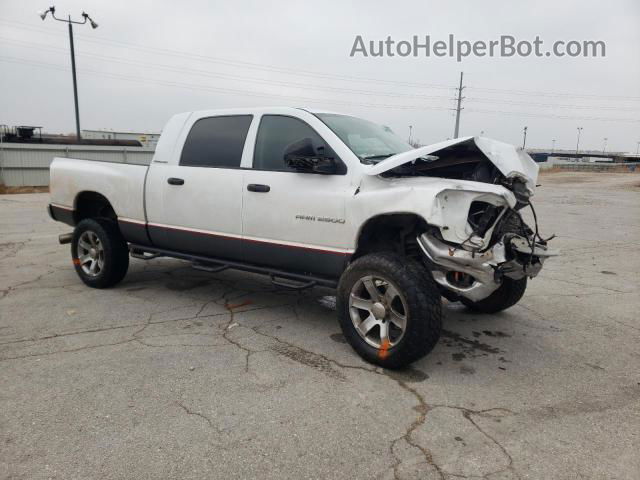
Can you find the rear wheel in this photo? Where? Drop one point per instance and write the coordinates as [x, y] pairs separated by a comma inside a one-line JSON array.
[[506, 295], [100, 254], [389, 309]]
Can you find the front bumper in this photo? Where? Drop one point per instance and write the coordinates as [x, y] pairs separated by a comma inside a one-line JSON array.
[[475, 275]]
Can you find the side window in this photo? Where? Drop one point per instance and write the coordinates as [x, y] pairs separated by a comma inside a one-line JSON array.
[[216, 142], [276, 133]]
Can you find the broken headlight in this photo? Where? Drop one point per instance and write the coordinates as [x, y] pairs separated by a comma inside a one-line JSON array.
[[482, 216], [521, 192]]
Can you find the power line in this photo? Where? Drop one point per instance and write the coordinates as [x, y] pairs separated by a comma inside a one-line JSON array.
[[553, 105], [553, 94], [560, 117], [209, 74], [310, 73], [189, 86], [205, 88], [238, 63], [307, 86]]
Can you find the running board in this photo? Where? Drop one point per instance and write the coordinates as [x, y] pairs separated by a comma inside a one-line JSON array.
[[292, 286], [140, 254], [205, 268], [212, 264]]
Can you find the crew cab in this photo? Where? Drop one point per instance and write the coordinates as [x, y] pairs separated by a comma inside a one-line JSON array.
[[317, 198]]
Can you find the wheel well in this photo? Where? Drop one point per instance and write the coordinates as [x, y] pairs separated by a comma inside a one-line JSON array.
[[393, 232], [93, 205]]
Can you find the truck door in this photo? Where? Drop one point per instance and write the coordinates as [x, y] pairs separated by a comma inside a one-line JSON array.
[[291, 220], [202, 191]]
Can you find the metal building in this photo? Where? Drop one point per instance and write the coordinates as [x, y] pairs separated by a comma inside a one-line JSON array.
[[148, 139]]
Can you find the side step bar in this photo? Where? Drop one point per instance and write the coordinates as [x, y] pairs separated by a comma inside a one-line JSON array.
[[292, 286], [211, 264], [141, 255], [205, 268]]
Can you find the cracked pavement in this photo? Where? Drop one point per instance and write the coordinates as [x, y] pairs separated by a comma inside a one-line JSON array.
[[177, 373]]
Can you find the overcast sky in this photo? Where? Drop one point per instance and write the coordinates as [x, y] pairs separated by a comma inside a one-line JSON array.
[[151, 59]]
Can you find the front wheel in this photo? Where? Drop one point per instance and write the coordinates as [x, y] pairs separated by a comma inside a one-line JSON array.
[[100, 254], [506, 295], [389, 309]]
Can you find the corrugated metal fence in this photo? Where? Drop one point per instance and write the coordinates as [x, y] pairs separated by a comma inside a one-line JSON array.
[[612, 167], [27, 165]]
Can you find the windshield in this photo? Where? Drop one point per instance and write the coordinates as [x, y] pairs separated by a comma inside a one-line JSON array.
[[371, 142]]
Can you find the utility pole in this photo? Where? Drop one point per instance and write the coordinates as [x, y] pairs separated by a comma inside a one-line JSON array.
[[524, 140], [604, 145], [3, 130], [459, 107], [410, 127], [75, 82], [553, 145], [578, 142], [70, 22]]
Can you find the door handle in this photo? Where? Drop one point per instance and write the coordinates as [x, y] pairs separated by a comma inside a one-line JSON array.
[[175, 181], [256, 187]]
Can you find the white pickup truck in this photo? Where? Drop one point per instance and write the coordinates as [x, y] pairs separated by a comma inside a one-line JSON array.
[[317, 198]]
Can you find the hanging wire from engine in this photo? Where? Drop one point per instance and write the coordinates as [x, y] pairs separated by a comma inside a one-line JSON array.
[[531, 241], [535, 219]]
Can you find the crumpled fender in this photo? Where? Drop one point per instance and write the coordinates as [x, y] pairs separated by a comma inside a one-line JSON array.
[[442, 202]]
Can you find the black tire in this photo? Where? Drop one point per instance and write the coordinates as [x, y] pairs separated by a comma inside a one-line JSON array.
[[507, 295], [115, 253], [422, 299]]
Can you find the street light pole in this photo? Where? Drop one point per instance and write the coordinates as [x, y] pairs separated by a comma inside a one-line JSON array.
[[524, 139], [410, 128], [553, 145], [75, 82], [70, 22], [578, 142], [604, 145]]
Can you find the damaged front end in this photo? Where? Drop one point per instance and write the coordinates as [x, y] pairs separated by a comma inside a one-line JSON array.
[[465, 270], [477, 235]]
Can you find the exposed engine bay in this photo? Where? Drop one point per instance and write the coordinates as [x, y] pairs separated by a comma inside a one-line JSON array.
[[460, 162], [476, 239]]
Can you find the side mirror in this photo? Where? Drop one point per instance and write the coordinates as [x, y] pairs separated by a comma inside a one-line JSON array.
[[302, 157]]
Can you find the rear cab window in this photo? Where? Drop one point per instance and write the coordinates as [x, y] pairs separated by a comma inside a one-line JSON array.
[[216, 142]]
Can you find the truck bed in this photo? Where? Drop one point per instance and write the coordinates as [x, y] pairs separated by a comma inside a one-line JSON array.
[[121, 183]]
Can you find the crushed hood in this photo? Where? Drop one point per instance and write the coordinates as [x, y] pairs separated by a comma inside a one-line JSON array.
[[510, 161]]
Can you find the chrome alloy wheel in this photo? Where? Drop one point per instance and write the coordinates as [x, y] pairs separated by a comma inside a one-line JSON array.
[[90, 252], [378, 311]]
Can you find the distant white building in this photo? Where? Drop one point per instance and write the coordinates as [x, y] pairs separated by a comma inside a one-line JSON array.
[[585, 159], [149, 140], [597, 159]]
